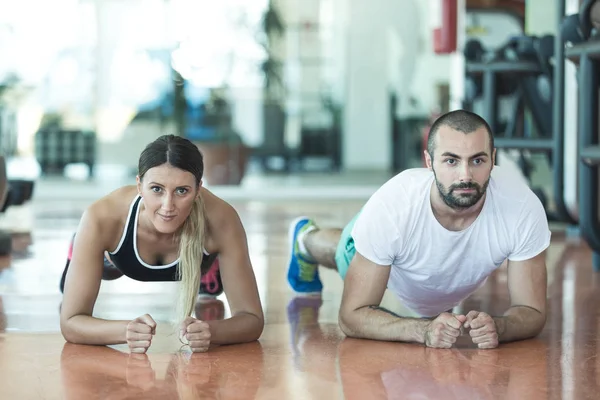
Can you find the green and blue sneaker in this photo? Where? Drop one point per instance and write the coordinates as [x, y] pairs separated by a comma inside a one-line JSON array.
[[303, 271]]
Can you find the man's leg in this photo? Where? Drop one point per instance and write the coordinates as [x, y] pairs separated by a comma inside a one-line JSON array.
[[311, 246]]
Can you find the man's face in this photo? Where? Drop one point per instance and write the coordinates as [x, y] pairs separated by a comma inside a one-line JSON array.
[[462, 165]]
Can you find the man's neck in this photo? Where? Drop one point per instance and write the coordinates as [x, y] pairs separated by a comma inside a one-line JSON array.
[[451, 218]]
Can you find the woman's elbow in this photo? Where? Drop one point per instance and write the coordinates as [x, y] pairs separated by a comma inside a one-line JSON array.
[[67, 331], [258, 330], [68, 334]]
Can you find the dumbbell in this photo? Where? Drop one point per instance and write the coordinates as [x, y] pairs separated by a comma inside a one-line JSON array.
[[544, 48], [588, 11], [474, 51], [571, 29], [595, 15], [16, 193], [5, 243], [29, 185], [19, 191]]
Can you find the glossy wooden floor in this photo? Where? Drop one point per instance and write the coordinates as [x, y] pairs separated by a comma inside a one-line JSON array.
[[302, 354]]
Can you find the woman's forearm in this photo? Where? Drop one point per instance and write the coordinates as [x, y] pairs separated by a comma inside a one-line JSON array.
[[84, 329], [241, 328]]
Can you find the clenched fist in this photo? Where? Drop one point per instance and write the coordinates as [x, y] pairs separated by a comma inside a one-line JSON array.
[[197, 333], [483, 330], [139, 333], [443, 331]]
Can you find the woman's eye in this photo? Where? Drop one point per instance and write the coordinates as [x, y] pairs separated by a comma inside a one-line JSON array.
[[155, 189], [182, 191]]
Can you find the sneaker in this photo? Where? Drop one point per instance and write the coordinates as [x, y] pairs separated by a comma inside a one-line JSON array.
[[303, 273], [210, 283]]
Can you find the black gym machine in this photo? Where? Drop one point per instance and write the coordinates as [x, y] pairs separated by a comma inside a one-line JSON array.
[[13, 192], [522, 69], [581, 35]]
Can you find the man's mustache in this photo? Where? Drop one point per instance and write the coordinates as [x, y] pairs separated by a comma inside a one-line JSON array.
[[464, 185]]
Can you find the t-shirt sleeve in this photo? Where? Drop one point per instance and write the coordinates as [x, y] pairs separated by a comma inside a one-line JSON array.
[[532, 233], [375, 233]]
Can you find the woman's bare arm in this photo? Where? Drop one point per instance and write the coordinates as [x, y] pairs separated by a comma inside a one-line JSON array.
[[83, 283], [239, 282]]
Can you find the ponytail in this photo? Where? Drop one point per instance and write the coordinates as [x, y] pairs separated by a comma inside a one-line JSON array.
[[191, 252]]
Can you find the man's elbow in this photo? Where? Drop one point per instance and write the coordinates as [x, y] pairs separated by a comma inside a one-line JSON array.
[[534, 330], [541, 323], [345, 321], [538, 320]]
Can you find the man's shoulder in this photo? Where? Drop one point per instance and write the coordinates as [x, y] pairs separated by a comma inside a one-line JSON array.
[[509, 183], [401, 192], [511, 191], [409, 180]]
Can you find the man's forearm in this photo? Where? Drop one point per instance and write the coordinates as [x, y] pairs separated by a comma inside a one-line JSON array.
[[377, 323], [518, 323], [244, 327]]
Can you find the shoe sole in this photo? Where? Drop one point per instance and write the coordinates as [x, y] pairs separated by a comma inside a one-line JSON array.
[[208, 296], [291, 231]]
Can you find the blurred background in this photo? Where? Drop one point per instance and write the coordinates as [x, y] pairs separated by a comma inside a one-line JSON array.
[[300, 97], [298, 106]]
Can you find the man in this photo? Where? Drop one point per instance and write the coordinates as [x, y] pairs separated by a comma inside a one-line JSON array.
[[433, 235]]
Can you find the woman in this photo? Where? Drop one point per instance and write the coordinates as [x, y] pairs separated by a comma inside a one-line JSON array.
[[166, 228]]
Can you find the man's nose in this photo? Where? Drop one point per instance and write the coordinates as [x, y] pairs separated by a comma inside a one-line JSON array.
[[465, 174]]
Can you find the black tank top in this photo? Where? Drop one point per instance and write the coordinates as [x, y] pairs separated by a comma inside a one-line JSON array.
[[127, 259]]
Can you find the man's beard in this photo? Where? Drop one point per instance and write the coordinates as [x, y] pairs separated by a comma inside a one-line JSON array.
[[462, 200]]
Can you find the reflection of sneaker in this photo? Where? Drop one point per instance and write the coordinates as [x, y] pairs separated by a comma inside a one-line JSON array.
[[303, 314], [303, 273], [210, 283]]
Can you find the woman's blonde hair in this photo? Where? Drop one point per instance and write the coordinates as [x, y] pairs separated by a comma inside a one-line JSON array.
[[191, 252], [183, 154]]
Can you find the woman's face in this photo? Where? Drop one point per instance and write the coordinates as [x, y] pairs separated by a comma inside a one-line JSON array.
[[169, 195]]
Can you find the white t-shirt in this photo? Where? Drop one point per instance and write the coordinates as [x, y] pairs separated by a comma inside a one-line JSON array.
[[434, 269]]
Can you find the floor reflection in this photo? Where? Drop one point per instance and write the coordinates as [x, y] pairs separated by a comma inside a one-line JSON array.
[[302, 353], [228, 372]]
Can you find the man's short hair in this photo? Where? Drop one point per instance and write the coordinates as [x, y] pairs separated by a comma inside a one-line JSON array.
[[459, 120]]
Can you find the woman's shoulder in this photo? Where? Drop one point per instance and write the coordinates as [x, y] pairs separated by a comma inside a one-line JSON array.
[[221, 218], [217, 210], [114, 207]]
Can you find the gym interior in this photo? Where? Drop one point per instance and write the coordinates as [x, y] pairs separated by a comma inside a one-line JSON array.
[[299, 108]]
